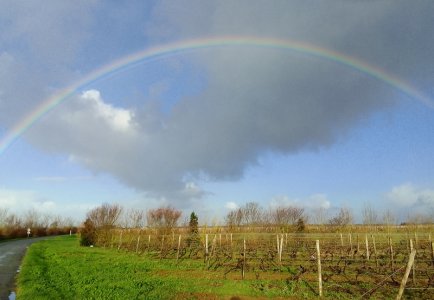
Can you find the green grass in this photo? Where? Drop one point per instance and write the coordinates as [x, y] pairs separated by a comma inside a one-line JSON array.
[[60, 269]]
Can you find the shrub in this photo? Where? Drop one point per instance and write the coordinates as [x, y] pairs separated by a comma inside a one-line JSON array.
[[88, 233]]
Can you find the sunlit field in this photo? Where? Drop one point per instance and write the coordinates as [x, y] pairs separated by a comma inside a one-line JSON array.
[[141, 264]]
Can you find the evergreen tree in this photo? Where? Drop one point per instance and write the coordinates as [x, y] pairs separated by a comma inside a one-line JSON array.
[[193, 230]]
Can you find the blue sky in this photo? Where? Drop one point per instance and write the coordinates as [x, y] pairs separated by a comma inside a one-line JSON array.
[[211, 130]]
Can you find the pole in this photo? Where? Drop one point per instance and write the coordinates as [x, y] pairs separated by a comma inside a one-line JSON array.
[[407, 272], [319, 268]]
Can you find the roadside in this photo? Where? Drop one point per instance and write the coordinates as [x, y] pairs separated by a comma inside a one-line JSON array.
[[11, 254]]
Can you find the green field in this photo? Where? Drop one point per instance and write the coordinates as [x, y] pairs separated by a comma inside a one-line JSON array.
[[61, 269]]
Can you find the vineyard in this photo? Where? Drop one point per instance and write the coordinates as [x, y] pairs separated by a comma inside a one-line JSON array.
[[348, 264]]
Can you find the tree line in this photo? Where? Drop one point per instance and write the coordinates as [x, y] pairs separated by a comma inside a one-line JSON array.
[[16, 226]]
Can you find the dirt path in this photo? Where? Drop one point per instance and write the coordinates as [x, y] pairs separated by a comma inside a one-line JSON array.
[[11, 254]]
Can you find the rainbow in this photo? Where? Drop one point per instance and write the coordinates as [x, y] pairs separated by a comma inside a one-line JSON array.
[[158, 52]]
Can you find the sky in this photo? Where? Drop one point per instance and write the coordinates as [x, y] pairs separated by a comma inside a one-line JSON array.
[[342, 117]]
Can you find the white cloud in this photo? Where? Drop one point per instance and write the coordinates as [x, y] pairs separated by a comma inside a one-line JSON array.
[[409, 195], [20, 201], [310, 202], [118, 118], [231, 205]]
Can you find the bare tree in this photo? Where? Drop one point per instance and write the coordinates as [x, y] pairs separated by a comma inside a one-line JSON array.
[[3, 215], [164, 219], [234, 218], [369, 215], [102, 220], [136, 218], [105, 216], [319, 215], [252, 213], [284, 216], [343, 218], [31, 219], [389, 219]]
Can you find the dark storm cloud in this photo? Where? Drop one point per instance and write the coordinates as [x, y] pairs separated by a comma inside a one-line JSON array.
[[256, 100]]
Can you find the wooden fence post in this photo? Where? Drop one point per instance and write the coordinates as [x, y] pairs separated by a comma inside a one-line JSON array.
[[162, 247], [432, 252], [149, 242], [179, 246], [414, 264], [319, 268], [407, 272], [375, 250], [206, 248], [391, 252], [367, 247], [358, 244], [138, 241], [244, 259], [342, 245], [351, 245], [120, 240]]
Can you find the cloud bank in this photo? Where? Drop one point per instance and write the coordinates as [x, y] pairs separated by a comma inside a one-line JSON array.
[[255, 101]]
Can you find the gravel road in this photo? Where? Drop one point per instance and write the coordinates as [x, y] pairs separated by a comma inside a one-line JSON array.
[[11, 254]]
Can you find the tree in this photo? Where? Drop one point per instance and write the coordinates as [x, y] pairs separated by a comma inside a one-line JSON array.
[[343, 218], [300, 226], [193, 230], [234, 218], [369, 215], [164, 219], [135, 218], [286, 215], [104, 218], [88, 233], [319, 215], [252, 213]]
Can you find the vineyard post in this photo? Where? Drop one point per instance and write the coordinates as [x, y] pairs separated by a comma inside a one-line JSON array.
[[244, 259], [112, 241], [179, 246], [351, 244], [358, 244], [432, 252], [232, 249], [213, 245], [206, 247], [367, 247], [375, 250], [318, 254], [138, 241], [161, 250], [120, 240], [342, 245], [220, 240], [149, 242], [391, 252], [277, 244], [414, 264], [407, 272]]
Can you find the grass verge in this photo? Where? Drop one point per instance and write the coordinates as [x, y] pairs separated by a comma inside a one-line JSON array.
[[60, 269]]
